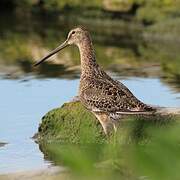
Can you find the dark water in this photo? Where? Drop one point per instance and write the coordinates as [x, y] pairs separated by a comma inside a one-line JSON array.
[[27, 93]]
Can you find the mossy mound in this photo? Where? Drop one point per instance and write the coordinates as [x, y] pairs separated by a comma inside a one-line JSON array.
[[70, 124], [139, 139]]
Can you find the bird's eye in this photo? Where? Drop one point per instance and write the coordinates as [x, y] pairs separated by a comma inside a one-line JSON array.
[[73, 32]]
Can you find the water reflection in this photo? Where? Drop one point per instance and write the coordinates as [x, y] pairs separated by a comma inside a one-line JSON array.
[[126, 49], [47, 70]]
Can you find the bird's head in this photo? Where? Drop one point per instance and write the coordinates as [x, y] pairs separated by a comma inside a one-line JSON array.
[[76, 36]]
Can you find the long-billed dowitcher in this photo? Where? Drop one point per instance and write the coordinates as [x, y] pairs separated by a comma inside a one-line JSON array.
[[106, 98]]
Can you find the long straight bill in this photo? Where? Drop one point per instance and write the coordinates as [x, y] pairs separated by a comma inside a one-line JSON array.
[[62, 46]]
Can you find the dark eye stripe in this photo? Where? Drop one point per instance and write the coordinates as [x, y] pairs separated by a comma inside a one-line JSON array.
[[73, 32]]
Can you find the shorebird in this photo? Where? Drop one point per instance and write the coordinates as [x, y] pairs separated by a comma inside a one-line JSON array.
[[106, 98]]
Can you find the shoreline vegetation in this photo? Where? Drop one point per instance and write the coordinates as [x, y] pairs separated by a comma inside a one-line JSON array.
[[141, 37], [70, 136]]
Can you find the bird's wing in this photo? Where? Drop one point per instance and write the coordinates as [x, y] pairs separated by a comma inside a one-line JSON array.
[[111, 96]]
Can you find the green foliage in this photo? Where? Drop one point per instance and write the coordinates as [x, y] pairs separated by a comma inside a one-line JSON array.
[[157, 10], [148, 11], [154, 156], [162, 45], [14, 49], [71, 137], [159, 158], [92, 161], [58, 5], [120, 46], [25, 3]]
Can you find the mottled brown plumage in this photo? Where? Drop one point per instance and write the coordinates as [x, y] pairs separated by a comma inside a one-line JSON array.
[[106, 98]]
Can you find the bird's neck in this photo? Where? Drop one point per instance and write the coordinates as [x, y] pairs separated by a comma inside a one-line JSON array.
[[87, 55]]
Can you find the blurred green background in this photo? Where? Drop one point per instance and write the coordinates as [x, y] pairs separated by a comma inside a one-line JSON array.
[[132, 38]]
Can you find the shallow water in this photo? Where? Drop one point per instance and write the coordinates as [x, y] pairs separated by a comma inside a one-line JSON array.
[[24, 102]]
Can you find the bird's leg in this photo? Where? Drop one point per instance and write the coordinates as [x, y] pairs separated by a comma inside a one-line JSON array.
[[115, 120], [115, 126], [105, 121]]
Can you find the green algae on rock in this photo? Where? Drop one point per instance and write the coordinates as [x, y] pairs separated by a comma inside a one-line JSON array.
[[114, 160], [70, 124]]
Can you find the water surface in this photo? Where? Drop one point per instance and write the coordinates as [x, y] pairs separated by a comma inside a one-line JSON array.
[[23, 103]]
